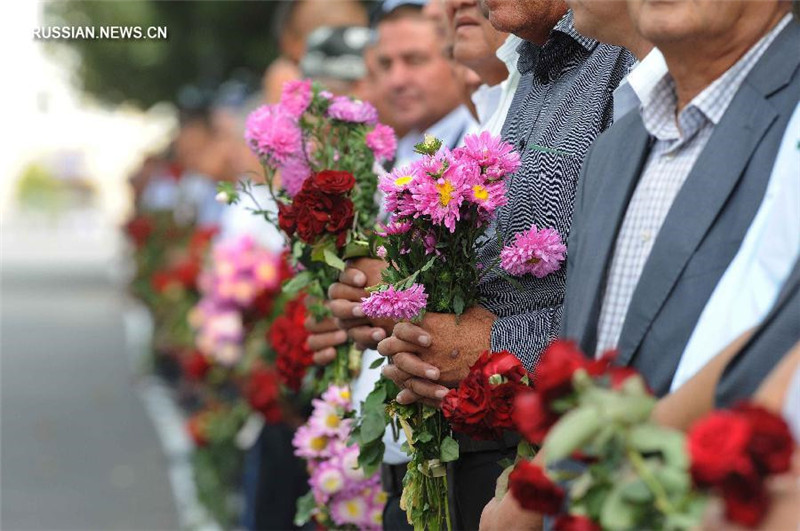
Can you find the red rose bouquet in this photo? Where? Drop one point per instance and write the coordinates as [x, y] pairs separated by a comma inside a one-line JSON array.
[[636, 474], [481, 406], [288, 337], [318, 153]]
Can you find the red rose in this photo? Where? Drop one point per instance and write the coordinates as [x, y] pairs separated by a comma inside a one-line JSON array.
[[333, 181], [139, 230], [718, 448], [468, 404], [503, 406], [771, 444], [532, 418], [571, 522], [533, 490], [746, 499], [195, 366], [286, 219], [505, 364], [161, 280], [201, 239], [186, 273], [553, 375], [262, 393], [341, 216], [288, 337], [197, 426]]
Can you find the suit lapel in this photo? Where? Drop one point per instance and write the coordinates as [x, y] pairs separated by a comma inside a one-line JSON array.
[[711, 181], [622, 167]]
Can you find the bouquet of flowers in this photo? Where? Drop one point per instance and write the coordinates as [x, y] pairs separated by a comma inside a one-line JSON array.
[[341, 495], [288, 337], [636, 474], [238, 288], [321, 149], [440, 205]]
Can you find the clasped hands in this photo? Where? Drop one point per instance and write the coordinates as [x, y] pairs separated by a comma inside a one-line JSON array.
[[425, 359]]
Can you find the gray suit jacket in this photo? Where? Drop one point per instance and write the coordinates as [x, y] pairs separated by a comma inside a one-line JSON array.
[[774, 337], [703, 229]]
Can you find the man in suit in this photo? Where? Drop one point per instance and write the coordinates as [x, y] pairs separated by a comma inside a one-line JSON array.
[[668, 195]]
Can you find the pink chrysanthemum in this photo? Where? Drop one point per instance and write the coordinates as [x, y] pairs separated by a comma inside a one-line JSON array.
[[273, 134], [309, 443], [395, 304], [496, 157], [382, 141], [489, 197], [347, 110], [437, 163], [440, 199], [326, 418], [352, 511], [535, 252], [296, 96], [393, 228], [381, 251], [294, 172], [326, 481], [396, 190], [338, 396]]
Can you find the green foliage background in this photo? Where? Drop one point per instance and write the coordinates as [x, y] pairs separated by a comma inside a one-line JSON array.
[[209, 41]]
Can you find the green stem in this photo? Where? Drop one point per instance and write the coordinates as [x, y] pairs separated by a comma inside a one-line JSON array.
[[662, 500]]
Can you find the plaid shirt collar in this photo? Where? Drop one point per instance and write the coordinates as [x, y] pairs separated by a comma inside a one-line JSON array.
[[658, 114], [546, 61]]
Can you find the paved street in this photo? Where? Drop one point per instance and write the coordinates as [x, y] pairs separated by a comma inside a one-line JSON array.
[[78, 451]]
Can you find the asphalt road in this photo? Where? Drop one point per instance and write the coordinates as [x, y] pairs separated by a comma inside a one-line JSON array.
[[77, 450]]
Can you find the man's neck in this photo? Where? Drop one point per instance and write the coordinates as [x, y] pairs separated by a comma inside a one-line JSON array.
[[491, 71], [539, 33], [694, 65]]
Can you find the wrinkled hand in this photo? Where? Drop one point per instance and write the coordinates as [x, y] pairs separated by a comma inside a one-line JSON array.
[[506, 513], [345, 302], [324, 337], [441, 350]]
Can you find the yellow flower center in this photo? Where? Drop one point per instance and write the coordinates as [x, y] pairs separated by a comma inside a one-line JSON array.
[[267, 272], [332, 483], [353, 508], [318, 443], [332, 420], [402, 181], [445, 193], [345, 394], [480, 192]]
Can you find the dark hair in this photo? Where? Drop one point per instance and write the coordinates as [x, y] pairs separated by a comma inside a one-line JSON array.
[[400, 12]]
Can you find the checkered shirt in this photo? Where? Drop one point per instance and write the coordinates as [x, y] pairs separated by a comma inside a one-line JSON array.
[[675, 148], [564, 100]]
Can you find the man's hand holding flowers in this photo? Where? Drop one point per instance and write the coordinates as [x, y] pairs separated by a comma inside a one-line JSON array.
[[429, 358]]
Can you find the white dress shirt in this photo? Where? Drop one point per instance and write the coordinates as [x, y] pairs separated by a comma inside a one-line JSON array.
[[450, 130], [637, 87], [751, 283], [492, 103], [791, 405]]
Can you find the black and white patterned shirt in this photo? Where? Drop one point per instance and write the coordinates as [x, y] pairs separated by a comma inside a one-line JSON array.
[[564, 100]]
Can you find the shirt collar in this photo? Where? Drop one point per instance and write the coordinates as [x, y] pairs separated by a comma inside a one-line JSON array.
[[658, 113], [507, 52], [563, 41]]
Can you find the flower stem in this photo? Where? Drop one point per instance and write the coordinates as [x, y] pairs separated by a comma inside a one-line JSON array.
[[662, 500]]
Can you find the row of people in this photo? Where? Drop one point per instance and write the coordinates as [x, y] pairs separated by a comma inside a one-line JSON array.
[[682, 219]]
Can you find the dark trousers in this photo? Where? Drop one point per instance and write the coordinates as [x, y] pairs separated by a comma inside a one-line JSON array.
[[280, 480], [474, 476], [394, 518]]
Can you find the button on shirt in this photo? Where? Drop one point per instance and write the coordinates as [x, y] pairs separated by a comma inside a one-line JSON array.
[[677, 145], [562, 103]]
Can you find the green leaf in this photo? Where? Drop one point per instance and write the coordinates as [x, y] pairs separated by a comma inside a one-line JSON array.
[[501, 487], [370, 456], [649, 438], [372, 426], [305, 505], [458, 304], [636, 491], [449, 450], [377, 363], [571, 432], [356, 249], [424, 437], [428, 265], [332, 259], [300, 281], [617, 514]]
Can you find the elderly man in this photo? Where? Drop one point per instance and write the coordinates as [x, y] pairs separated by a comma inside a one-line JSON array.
[[668, 196], [563, 101]]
